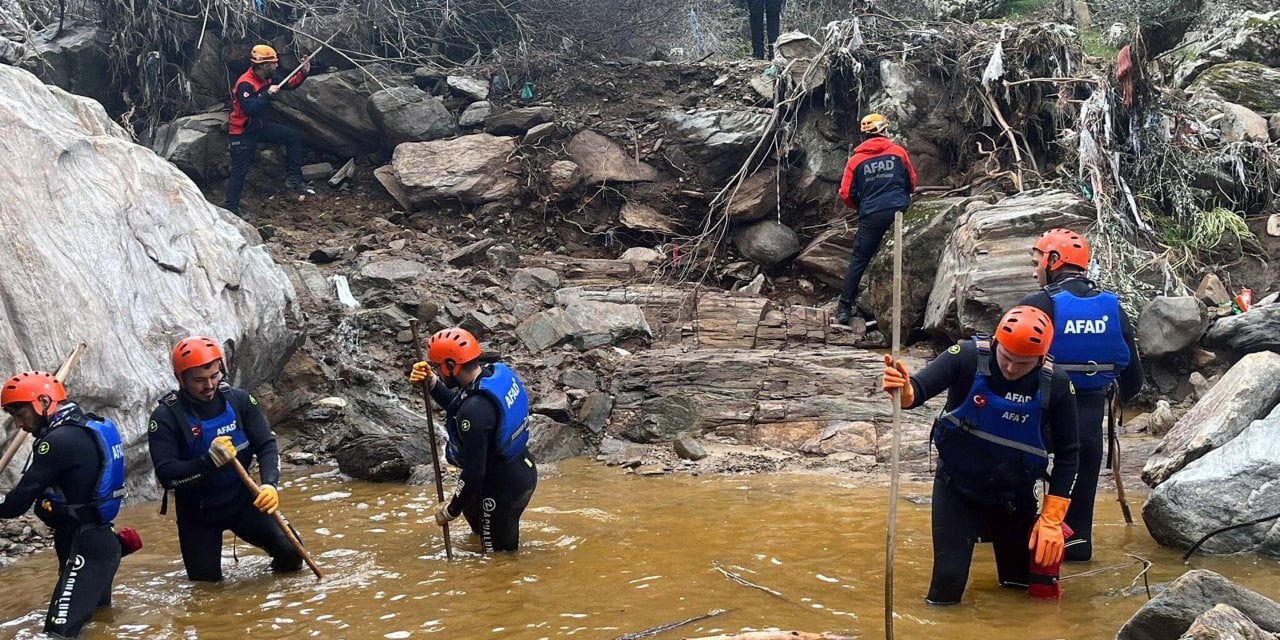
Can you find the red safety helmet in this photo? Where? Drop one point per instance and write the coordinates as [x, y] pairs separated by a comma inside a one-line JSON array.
[[196, 351], [1025, 331], [451, 348], [1069, 245], [39, 388]]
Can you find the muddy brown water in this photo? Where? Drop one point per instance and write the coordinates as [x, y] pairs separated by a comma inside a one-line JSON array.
[[603, 554]]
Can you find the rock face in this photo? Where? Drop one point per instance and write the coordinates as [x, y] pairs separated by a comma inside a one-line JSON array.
[[1170, 614], [926, 228], [551, 441], [827, 256], [517, 121], [1247, 392], [1234, 483], [604, 161], [75, 61], [473, 169], [409, 114], [165, 264], [586, 324], [755, 199], [197, 145], [718, 140], [383, 458], [331, 111], [1225, 622], [986, 266], [1257, 330], [1171, 324], [767, 243], [1248, 84]]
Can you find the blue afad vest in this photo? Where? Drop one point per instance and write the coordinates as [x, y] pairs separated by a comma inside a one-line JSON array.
[[109, 491], [1088, 341], [202, 434], [992, 447], [508, 395]]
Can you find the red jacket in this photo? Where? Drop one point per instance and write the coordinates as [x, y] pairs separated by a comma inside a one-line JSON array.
[[250, 102], [879, 177]]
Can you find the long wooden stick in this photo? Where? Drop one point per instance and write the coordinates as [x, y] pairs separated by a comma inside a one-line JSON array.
[[283, 524], [306, 60], [20, 437], [431, 434], [1114, 408], [897, 429]]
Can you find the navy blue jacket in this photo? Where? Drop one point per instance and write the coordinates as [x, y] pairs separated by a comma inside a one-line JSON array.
[[879, 177]]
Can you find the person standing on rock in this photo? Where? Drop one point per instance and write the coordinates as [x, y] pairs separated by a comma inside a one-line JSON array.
[[194, 434], [878, 182], [486, 412], [77, 474], [764, 13], [1094, 345], [1007, 408], [250, 123]]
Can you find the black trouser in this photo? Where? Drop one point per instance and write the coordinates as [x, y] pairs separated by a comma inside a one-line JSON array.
[[1090, 408], [957, 522], [495, 517], [871, 230], [760, 10], [200, 538], [89, 556], [245, 146]]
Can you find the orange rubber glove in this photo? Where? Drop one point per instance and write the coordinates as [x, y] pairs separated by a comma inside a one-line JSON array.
[[1046, 536], [268, 499], [896, 376]]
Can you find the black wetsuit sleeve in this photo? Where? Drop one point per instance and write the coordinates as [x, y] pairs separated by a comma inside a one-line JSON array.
[[165, 442], [1131, 377], [1041, 301], [1063, 421], [952, 371], [444, 396], [477, 426], [45, 469], [262, 441]]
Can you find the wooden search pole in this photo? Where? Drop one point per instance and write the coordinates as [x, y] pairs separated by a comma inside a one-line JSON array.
[[897, 429], [307, 59], [1112, 411], [431, 434], [283, 524], [20, 437]]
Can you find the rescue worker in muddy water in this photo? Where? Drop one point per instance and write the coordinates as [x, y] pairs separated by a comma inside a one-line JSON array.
[[486, 409], [1007, 408], [1093, 342], [76, 474], [194, 434]]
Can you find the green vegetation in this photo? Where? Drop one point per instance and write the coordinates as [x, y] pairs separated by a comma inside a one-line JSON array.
[[1095, 44], [1192, 242], [1018, 9]]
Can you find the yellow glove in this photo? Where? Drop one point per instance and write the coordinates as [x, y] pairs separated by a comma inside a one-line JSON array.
[[896, 376], [268, 499], [422, 373], [1046, 536], [443, 516], [47, 506], [222, 451]]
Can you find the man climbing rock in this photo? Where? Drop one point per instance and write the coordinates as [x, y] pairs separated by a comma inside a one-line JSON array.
[[1007, 409], [878, 182], [77, 463], [250, 123], [486, 408], [1094, 344], [194, 434], [764, 13]]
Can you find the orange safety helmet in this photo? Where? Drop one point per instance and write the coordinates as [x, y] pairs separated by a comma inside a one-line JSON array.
[[1069, 245], [1025, 331], [874, 123], [36, 387], [196, 351], [261, 54], [451, 348]]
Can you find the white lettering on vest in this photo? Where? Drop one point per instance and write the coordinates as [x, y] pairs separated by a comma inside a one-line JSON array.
[[878, 166], [225, 429], [512, 394], [1086, 326], [1020, 418], [1018, 398]]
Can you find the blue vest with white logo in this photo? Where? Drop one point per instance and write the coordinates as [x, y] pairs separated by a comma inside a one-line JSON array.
[[1088, 341], [508, 395], [202, 434], [992, 447], [109, 491]]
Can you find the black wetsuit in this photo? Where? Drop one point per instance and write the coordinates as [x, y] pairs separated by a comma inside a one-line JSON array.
[[209, 499], [492, 492], [66, 458], [1091, 408], [959, 520]]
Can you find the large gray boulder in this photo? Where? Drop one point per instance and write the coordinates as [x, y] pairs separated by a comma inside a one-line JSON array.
[[197, 145], [1169, 324], [409, 114], [986, 265], [718, 140], [517, 121], [1256, 330], [474, 169], [382, 457], [331, 111], [767, 243], [585, 324], [1249, 84], [1246, 393], [756, 198], [140, 260], [76, 60], [1170, 614], [208, 73], [552, 441], [1231, 484], [1225, 622]]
